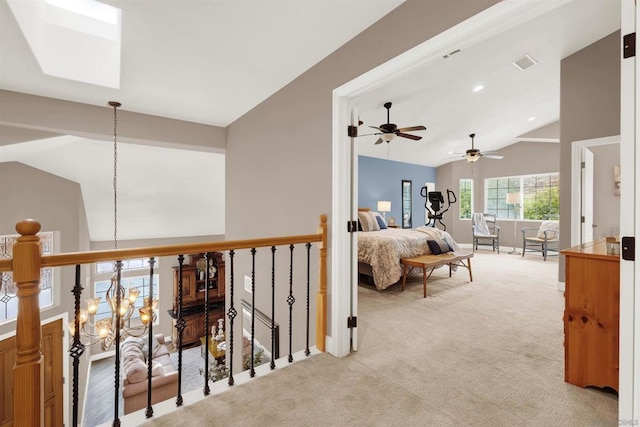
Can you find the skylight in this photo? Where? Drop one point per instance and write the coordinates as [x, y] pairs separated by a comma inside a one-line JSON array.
[[73, 39], [89, 8]]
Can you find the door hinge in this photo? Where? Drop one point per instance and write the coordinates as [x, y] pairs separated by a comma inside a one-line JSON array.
[[352, 131], [629, 45], [352, 226], [583, 165], [352, 322], [64, 380], [581, 219], [628, 248]]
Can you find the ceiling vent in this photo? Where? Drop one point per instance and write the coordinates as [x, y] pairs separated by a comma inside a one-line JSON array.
[[525, 62]]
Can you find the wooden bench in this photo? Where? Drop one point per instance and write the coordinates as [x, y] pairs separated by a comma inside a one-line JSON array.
[[432, 261]]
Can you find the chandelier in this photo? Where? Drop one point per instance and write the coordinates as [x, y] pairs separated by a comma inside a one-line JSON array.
[[121, 302]]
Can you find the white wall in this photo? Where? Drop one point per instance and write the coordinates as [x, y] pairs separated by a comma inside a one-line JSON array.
[[606, 205]]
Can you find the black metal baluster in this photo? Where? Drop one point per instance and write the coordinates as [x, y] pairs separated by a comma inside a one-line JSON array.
[[77, 348], [308, 246], [180, 325], [118, 325], [252, 372], [290, 301], [149, 411], [273, 306], [207, 335], [232, 313]]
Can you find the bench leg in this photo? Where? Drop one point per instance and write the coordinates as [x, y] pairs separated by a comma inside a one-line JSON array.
[[469, 268], [424, 280]]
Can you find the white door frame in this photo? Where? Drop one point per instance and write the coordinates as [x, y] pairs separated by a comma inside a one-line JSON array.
[[492, 21], [629, 382], [576, 159]]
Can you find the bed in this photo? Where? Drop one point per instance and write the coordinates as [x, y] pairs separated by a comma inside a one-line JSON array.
[[380, 250]]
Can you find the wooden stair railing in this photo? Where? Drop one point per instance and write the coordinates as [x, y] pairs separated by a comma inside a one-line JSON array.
[[27, 261]]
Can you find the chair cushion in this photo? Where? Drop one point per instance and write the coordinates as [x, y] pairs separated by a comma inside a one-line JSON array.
[[551, 227]]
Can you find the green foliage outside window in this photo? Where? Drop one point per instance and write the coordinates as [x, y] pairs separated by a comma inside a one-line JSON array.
[[465, 198], [541, 196]]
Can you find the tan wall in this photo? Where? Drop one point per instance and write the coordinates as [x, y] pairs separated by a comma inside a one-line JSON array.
[[23, 116], [606, 209], [589, 108], [278, 174], [523, 158], [56, 203]]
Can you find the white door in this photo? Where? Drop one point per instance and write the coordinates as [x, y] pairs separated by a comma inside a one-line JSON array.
[[629, 388], [586, 196]]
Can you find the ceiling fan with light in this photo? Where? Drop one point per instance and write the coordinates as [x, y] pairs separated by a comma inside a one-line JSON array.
[[473, 154], [389, 130]]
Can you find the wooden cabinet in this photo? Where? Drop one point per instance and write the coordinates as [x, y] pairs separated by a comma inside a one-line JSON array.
[[194, 283], [591, 316]]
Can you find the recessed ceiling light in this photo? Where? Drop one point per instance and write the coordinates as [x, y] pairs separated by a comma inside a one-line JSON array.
[[478, 88], [531, 119]]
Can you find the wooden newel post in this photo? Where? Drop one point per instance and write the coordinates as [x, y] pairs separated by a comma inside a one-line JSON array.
[[28, 377], [321, 296]]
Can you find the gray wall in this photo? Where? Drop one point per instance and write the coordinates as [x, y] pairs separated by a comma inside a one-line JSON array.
[[606, 207], [523, 158], [278, 170], [589, 108]]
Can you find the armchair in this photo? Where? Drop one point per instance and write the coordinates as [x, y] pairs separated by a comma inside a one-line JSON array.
[[485, 231], [545, 240]]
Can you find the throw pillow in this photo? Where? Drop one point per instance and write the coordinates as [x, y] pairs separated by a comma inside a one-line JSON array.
[[380, 220], [438, 246], [551, 227], [156, 369]]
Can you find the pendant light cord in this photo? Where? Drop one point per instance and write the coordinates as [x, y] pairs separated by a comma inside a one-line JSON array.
[[115, 106]]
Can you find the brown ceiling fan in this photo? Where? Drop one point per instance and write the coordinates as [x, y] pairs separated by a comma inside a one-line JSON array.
[[473, 154], [390, 130]]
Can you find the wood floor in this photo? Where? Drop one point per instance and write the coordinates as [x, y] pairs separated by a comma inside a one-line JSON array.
[[99, 408]]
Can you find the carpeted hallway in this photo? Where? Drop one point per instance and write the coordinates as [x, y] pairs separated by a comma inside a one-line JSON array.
[[487, 353]]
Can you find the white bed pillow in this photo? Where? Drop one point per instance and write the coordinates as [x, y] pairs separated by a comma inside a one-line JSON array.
[[368, 221]]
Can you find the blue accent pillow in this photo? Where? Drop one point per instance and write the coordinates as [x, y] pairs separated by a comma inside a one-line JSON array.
[[381, 223]]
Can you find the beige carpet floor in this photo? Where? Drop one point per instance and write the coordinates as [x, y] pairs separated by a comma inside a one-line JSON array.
[[487, 353]]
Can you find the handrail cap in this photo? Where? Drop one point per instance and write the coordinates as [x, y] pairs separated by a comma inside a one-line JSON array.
[[28, 227]]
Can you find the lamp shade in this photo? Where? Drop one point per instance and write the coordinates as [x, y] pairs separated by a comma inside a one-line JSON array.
[[384, 206], [513, 198]]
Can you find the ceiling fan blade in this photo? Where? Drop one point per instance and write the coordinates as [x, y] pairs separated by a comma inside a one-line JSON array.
[[412, 128], [406, 135], [379, 141], [493, 156], [456, 157], [376, 127], [369, 134]]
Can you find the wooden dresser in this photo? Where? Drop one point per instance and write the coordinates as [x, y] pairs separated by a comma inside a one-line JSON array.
[[591, 316]]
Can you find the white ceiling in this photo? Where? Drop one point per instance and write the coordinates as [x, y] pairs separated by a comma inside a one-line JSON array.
[[204, 61], [439, 94], [211, 61]]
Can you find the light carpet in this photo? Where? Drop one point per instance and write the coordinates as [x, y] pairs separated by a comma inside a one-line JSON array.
[[487, 353]]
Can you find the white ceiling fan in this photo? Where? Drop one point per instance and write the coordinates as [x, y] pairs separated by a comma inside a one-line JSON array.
[[473, 154]]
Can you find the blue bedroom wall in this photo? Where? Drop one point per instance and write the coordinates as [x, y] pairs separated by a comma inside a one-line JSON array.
[[380, 179]]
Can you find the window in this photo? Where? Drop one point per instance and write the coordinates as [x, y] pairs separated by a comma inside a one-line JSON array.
[[541, 196], [8, 289], [132, 276], [140, 282], [466, 198]]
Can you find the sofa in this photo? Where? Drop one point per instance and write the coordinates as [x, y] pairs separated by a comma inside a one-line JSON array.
[[164, 376]]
